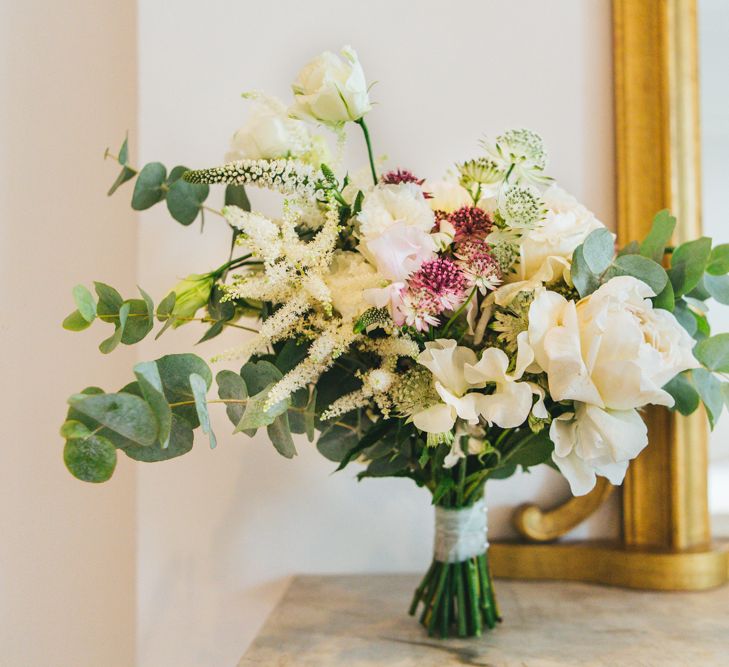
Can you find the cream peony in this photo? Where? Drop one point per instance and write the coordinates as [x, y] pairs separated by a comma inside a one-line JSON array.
[[565, 226], [611, 353], [331, 89], [385, 205], [269, 133]]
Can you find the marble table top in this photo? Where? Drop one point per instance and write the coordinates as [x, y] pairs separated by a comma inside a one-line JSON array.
[[361, 621]]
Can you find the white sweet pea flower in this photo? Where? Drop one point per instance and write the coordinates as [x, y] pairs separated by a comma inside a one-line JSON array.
[[593, 441], [269, 133], [400, 250], [384, 205], [510, 403], [447, 361], [565, 226], [331, 90]]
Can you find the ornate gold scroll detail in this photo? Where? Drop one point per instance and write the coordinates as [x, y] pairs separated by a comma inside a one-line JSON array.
[[538, 525]]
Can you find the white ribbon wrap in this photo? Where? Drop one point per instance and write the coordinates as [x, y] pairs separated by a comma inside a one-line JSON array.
[[460, 534]]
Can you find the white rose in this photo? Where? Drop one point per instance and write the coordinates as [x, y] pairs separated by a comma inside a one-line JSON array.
[[565, 226], [348, 278], [593, 441], [269, 133], [385, 205], [331, 89], [610, 353], [401, 250]]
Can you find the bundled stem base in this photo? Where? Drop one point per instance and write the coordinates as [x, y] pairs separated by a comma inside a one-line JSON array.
[[458, 598]]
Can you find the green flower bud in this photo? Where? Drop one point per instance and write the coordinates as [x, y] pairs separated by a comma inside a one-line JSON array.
[[191, 294]]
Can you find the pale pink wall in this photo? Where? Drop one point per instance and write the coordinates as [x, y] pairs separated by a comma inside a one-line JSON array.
[[67, 549]]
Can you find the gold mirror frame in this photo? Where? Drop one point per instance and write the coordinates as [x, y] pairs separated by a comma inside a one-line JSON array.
[[666, 537]]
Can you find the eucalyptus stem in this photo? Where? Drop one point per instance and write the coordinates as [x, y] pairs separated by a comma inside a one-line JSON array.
[[366, 132]]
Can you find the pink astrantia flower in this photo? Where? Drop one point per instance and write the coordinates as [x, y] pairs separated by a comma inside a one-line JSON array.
[[478, 265], [470, 222], [442, 279]]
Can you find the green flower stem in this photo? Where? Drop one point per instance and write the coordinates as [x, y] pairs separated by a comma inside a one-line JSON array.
[[455, 315], [366, 132]]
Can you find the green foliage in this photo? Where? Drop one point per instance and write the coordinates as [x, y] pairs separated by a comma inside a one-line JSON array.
[[684, 393], [124, 414], [91, 458], [235, 195], [184, 200], [598, 251], [127, 173], [711, 393], [713, 353], [688, 263], [341, 436], [654, 245], [717, 287], [150, 186], [200, 386]]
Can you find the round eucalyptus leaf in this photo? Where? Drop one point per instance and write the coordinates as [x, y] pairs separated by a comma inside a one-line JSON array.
[[90, 459], [148, 187]]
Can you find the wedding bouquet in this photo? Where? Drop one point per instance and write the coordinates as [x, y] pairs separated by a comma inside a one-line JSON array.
[[449, 331]]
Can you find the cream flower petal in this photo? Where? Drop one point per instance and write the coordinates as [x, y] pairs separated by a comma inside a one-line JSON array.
[[446, 360], [508, 406], [438, 418]]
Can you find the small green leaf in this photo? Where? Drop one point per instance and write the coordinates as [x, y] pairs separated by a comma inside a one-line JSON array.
[[235, 195], [123, 156], [291, 354], [684, 393], [84, 302], [90, 459], [710, 390], [150, 384], [148, 189], [598, 250], [232, 387], [338, 438], [666, 299], [584, 280], [138, 323], [108, 345], [685, 317], [713, 353], [125, 414], [76, 322], [718, 260], [126, 174], [181, 440], [537, 450], [165, 306], [184, 200], [642, 268], [688, 263], [654, 245], [279, 433], [109, 300], [199, 390], [258, 375], [718, 287], [370, 437], [257, 414], [73, 429]]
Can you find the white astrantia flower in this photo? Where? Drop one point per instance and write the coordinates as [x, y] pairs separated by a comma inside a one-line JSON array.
[[520, 152], [593, 441], [385, 205], [270, 133], [566, 224], [331, 89]]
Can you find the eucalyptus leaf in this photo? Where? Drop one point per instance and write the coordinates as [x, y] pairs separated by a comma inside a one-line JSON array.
[[713, 353], [339, 437], [235, 195], [75, 322], [688, 263], [258, 375], [718, 287], [685, 317], [125, 414], [184, 200], [279, 433], [684, 393], [598, 250], [85, 303], [138, 323], [584, 280], [90, 459], [642, 268], [199, 391], [148, 188], [718, 263], [126, 174], [110, 344], [710, 390], [181, 441], [110, 300], [654, 245], [74, 429], [258, 413], [231, 386], [150, 384]]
